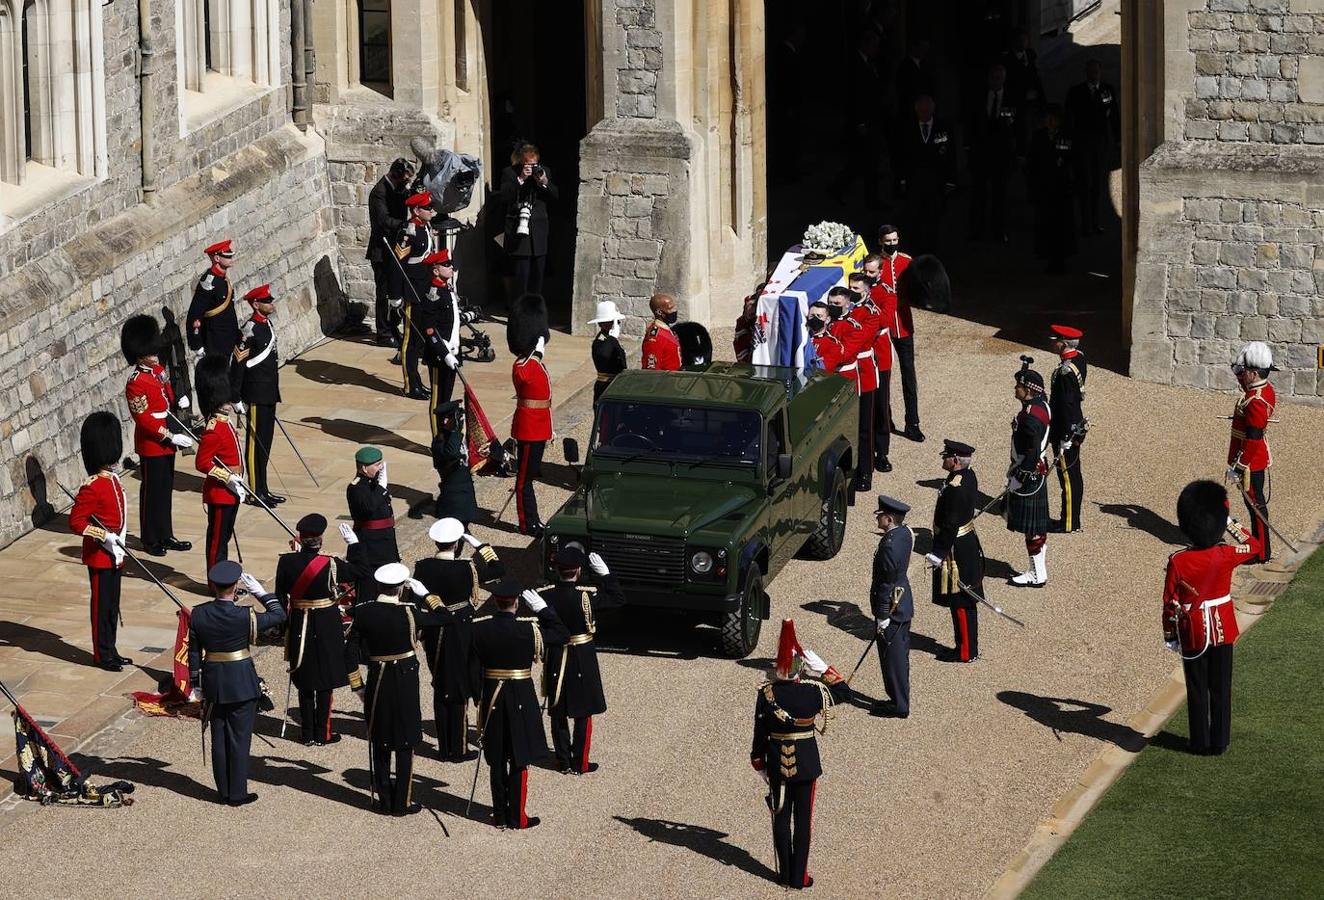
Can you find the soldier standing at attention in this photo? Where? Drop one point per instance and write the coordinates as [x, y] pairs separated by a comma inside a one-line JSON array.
[[661, 349], [893, 605], [902, 326], [437, 317], [219, 456], [386, 216], [417, 242], [256, 380], [1248, 456], [213, 324], [102, 497], [956, 556], [608, 355], [1095, 121], [149, 397], [857, 333], [1027, 477], [1067, 432], [574, 683], [531, 426], [220, 661]]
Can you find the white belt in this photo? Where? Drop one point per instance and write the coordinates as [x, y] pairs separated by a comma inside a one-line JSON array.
[[849, 367], [867, 354]]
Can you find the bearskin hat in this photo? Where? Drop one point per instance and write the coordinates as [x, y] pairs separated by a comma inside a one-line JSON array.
[[102, 441], [140, 336], [1202, 512], [211, 377], [696, 347], [528, 322], [924, 283]]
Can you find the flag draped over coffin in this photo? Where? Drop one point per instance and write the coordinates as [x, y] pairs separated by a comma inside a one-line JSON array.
[[780, 334]]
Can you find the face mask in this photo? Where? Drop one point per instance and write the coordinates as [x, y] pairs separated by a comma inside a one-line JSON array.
[[890, 249], [615, 329], [836, 312], [671, 318], [816, 326]]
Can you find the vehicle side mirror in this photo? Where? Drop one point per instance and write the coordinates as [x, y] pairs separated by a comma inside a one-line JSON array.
[[783, 465], [570, 449]]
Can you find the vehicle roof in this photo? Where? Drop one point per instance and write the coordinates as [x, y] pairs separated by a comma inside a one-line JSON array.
[[763, 388]]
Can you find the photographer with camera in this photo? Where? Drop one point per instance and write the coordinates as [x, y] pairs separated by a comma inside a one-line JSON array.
[[386, 215], [525, 191]]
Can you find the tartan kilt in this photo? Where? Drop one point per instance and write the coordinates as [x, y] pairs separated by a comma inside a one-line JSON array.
[[1027, 513]]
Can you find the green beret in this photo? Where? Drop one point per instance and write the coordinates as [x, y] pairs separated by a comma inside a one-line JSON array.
[[367, 456]]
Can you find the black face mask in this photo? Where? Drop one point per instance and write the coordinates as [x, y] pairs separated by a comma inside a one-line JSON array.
[[671, 318], [836, 312], [816, 326], [890, 249]]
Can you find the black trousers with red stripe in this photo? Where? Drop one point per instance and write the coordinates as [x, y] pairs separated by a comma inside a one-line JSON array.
[[882, 417], [259, 431], [509, 782], [865, 462], [315, 714], [155, 526], [571, 749], [105, 609], [965, 628], [1255, 499], [792, 827], [220, 528], [393, 795], [528, 468]]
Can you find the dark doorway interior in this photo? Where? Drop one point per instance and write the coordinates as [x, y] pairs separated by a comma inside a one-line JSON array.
[[375, 45], [537, 92]]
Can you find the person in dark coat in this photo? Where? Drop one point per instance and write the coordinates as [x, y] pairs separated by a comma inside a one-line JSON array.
[[503, 649], [525, 190], [1027, 477], [220, 663], [925, 166], [386, 216], [1025, 87], [608, 354], [785, 752], [956, 555], [213, 324], [370, 508], [436, 315], [255, 379], [1050, 174], [893, 606], [914, 77], [1066, 399], [456, 581], [450, 459], [994, 137], [574, 682], [1093, 111], [384, 629], [308, 583]]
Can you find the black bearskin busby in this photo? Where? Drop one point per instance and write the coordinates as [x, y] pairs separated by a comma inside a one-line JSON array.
[[102, 441], [140, 336], [696, 347], [211, 378], [1202, 512], [924, 284], [528, 322]]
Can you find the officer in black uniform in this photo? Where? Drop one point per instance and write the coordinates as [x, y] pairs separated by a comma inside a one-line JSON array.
[[1066, 431], [213, 324], [450, 458], [995, 137], [255, 377], [455, 580], [503, 648], [219, 660], [417, 242], [370, 508], [574, 683], [608, 354], [384, 628], [1051, 181], [1027, 476], [893, 605], [437, 317], [956, 556], [1093, 111], [309, 582]]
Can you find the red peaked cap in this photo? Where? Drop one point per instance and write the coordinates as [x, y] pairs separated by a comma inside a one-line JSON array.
[[1066, 331], [422, 198], [221, 247], [441, 258], [261, 292], [789, 652]]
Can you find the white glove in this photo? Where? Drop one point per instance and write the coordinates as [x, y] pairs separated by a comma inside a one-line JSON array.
[[252, 585], [200, 352], [1013, 483], [1066, 445], [541, 346], [347, 532], [814, 662], [417, 587], [111, 541], [598, 564], [534, 600], [451, 360], [381, 476], [237, 485], [882, 625], [239, 407], [471, 541], [1174, 646], [396, 302], [932, 560], [763, 773], [183, 403], [182, 441], [1231, 474]]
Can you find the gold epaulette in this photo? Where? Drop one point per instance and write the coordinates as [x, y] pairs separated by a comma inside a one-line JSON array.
[[956, 480]]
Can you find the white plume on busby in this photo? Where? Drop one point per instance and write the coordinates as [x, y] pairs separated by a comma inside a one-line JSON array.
[[211, 377], [925, 284], [101, 440], [140, 336], [528, 322], [1256, 355], [1202, 512]]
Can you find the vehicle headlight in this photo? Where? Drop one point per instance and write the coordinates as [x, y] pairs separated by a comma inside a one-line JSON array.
[[701, 562]]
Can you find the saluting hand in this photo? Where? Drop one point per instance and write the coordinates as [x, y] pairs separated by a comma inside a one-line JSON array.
[[534, 600], [252, 585], [598, 564]]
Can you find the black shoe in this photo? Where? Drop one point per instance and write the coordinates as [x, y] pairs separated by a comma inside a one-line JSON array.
[[592, 767], [154, 550], [243, 801], [534, 530], [333, 739], [388, 340], [862, 487], [562, 766], [395, 360], [111, 665], [273, 499], [123, 660], [882, 465], [309, 742], [467, 756], [177, 545], [418, 394], [532, 822], [883, 709], [498, 824], [914, 434], [409, 810]]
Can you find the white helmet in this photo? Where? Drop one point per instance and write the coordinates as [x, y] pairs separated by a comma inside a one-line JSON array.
[[607, 312]]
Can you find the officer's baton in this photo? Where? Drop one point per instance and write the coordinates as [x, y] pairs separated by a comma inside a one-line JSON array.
[[997, 609]]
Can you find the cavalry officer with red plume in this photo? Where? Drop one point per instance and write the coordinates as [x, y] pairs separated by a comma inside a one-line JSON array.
[[102, 498], [1027, 477], [785, 752], [1199, 620], [213, 324], [219, 456], [956, 556], [256, 378], [1248, 456], [1067, 431], [149, 397], [531, 427], [661, 347]]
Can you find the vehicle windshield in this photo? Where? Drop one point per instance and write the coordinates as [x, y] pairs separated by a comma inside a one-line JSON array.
[[627, 430]]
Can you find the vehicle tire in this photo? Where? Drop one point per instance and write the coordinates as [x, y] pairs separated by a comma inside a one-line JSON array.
[[740, 628], [825, 541]]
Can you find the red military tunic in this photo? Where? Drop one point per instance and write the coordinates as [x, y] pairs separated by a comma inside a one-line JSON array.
[[102, 496], [661, 348], [533, 400], [219, 444], [902, 324], [1197, 594], [871, 324], [150, 398], [885, 303], [1250, 420], [831, 355], [850, 334]]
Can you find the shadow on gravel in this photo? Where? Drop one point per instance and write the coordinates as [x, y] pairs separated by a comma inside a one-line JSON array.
[[418, 503], [326, 372], [655, 633], [359, 433], [1146, 520], [844, 615], [303, 775], [705, 841], [145, 770], [1076, 717]]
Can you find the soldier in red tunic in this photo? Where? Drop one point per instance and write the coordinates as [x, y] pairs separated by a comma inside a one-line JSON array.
[[150, 397], [884, 305], [218, 449], [99, 515], [844, 305], [902, 325], [827, 346], [531, 426], [661, 348], [1199, 620], [1248, 456]]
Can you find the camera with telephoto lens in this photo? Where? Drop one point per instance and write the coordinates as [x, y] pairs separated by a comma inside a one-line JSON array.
[[538, 171]]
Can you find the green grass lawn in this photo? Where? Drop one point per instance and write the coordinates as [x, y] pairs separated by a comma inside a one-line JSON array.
[[1247, 824]]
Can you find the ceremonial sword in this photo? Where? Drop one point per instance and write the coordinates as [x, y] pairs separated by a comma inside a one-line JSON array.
[[997, 609], [1259, 515]]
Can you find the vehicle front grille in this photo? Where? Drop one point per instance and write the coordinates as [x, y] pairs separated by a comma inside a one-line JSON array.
[[642, 557]]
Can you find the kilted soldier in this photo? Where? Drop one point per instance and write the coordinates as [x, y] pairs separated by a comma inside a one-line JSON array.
[[220, 662], [893, 605], [574, 683], [150, 397], [101, 497], [213, 324], [503, 649], [455, 580], [1248, 456], [370, 508], [956, 556], [450, 459], [219, 456], [417, 242], [608, 355], [531, 427], [1066, 398], [384, 628], [437, 318], [785, 752], [309, 582], [1027, 477], [1199, 620], [255, 374]]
